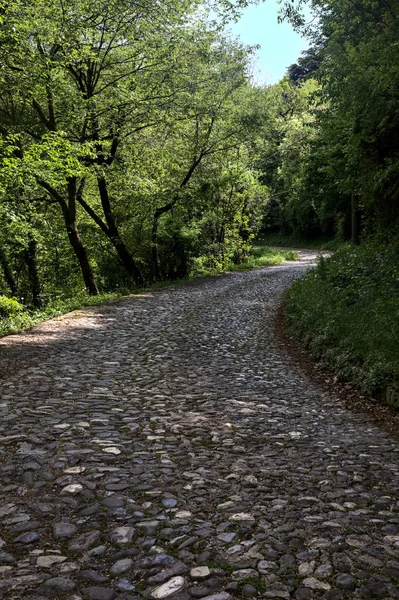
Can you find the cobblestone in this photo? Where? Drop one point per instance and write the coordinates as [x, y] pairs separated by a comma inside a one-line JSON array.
[[164, 446]]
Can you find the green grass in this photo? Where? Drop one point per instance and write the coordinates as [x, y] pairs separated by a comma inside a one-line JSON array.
[[257, 582], [260, 256], [263, 256], [346, 311]]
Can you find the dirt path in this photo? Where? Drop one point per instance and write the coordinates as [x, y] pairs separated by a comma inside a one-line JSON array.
[[165, 446]]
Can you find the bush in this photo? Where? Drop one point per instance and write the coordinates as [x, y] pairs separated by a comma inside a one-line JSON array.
[[13, 316], [9, 307], [347, 312]]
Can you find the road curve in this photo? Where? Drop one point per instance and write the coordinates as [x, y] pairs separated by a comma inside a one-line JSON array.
[[164, 446]]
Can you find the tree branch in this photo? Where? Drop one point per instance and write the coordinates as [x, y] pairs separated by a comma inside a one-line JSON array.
[[53, 192], [90, 211], [41, 114]]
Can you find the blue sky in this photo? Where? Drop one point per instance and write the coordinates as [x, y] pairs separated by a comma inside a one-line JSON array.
[[280, 45]]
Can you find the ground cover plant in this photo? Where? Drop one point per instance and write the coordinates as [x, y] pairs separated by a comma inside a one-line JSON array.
[[264, 256], [346, 311]]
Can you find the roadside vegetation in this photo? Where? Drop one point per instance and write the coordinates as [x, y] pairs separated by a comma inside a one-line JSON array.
[[333, 180], [264, 256], [280, 240], [15, 317], [346, 311]]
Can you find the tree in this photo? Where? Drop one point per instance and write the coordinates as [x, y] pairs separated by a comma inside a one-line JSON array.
[[81, 73], [111, 114], [307, 65], [358, 75]]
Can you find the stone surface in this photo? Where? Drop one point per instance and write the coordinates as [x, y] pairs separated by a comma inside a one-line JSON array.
[[249, 591], [59, 585], [200, 572], [198, 592], [121, 566], [169, 588], [315, 584], [167, 442], [99, 593], [73, 488], [84, 541], [64, 531], [49, 560], [27, 538], [122, 535]]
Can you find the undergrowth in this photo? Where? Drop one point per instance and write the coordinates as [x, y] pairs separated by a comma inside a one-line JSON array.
[[298, 241], [15, 317], [346, 311], [263, 256], [260, 255]]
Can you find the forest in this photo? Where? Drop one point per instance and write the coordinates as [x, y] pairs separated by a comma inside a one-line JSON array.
[[135, 149]]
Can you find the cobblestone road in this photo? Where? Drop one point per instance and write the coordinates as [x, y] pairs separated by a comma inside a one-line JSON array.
[[165, 447]]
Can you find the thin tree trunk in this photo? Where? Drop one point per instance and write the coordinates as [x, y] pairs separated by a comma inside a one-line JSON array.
[[154, 249], [8, 276], [113, 234], [154, 236], [30, 259], [69, 213], [81, 255], [75, 240], [68, 207], [165, 209], [123, 253]]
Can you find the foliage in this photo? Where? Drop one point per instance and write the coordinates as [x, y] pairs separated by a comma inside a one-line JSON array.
[[297, 241], [259, 257], [347, 312], [341, 176], [295, 165], [9, 307], [122, 163], [306, 66], [354, 151], [15, 317]]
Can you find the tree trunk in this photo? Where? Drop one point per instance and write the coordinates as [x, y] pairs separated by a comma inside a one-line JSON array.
[[8, 276], [127, 260], [81, 255], [165, 209], [69, 212], [154, 236], [113, 234], [355, 220], [30, 259], [154, 247]]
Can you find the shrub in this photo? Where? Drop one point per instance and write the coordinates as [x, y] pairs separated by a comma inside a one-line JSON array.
[[347, 312], [9, 307]]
